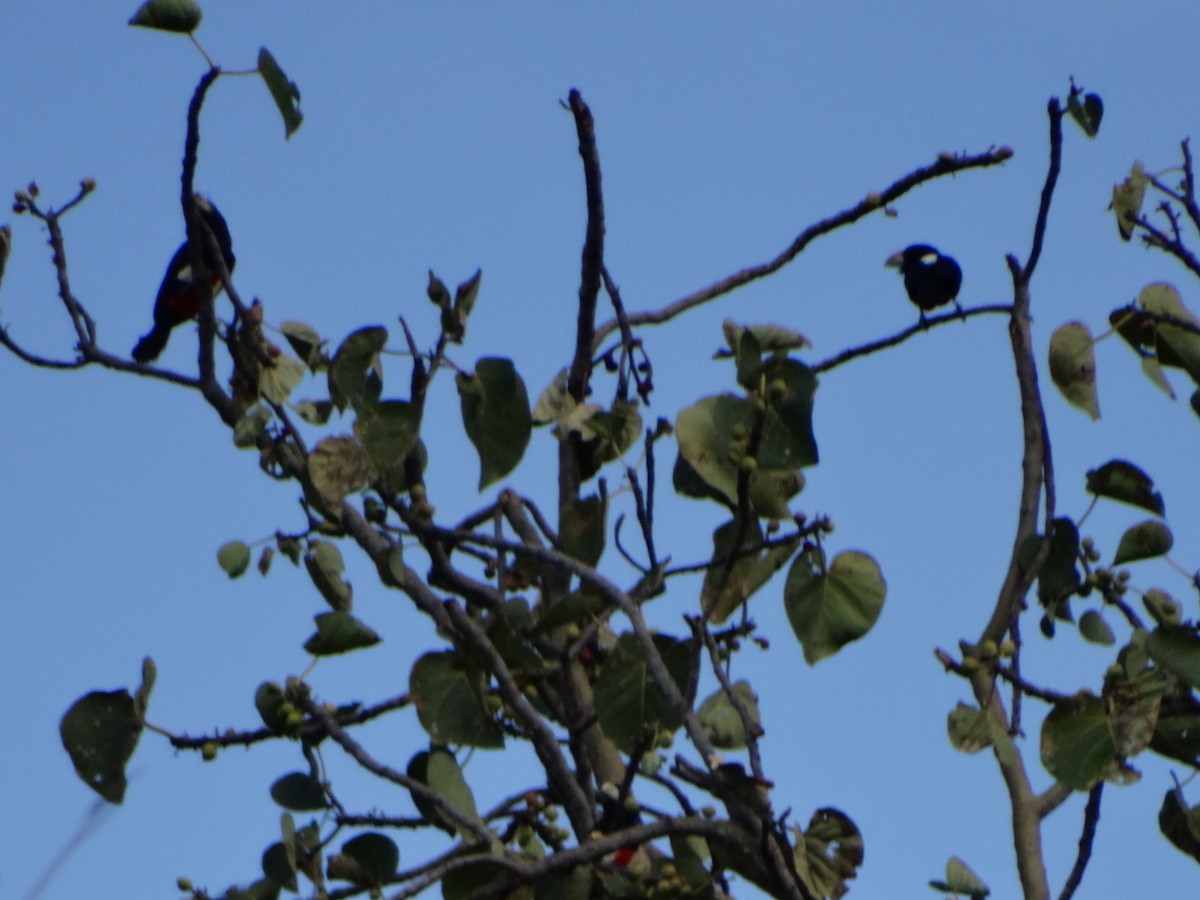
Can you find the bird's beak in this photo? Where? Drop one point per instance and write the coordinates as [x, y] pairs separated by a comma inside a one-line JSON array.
[[895, 261]]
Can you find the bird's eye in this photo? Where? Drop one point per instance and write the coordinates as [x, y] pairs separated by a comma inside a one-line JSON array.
[[929, 259]]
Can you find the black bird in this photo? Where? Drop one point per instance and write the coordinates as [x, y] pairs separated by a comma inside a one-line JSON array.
[[931, 279], [178, 298]]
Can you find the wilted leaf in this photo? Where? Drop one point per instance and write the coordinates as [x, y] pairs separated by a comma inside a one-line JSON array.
[[968, 729], [1127, 200], [1073, 366], [337, 466], [828, 853], [279, 378]]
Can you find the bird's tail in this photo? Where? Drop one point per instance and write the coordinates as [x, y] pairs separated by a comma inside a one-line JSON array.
[[153, 344]]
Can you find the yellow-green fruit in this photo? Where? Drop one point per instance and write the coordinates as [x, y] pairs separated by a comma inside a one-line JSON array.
[[988, 649], [207, 753], [1008, 648]]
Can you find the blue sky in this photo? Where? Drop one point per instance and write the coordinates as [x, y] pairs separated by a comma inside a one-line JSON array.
[[434, 139]]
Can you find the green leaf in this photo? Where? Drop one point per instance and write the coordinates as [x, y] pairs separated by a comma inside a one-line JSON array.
[[1077, 743], [141, 699], [629, 705], [299, 792], [829, 608], [1163, 299], [449, 701], [325, 567], [338, 466], [339, 632], [1133, 701], [712, 436], [1120, 480], [1177, 649], [250, 426], [284, 92], [178, 16], [968, 729], [1059, 575], [1095, 630], [305, 342], [100, 732], [961, 881], [438, 293], [787, 441], [728, 585], [748, 353], [234, 558], [369, 859], [1162, 607], [278, 867], [1143, 541], [720, 720], [581, 529], [388, 431], [769, 339], [464, 303], [1127, 200], [355, 372], [277, 380], [828, 853], [438, 769], [553, 403], [1175, 821], [1073, 366], [315, 412], [1087, 112], [495, 411]]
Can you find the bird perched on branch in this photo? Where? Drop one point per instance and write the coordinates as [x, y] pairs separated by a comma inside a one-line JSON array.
[[931, 278], [178, 298]]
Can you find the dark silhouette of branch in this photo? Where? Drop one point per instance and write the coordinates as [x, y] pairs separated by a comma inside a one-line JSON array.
[[1091, 817], [945, 164], [593, 249], [900, 337]]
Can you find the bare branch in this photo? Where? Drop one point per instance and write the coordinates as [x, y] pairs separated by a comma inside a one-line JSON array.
[[1091, 817], [945, 164]]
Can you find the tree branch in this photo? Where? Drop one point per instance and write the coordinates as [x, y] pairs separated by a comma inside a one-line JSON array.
[[945, 164]]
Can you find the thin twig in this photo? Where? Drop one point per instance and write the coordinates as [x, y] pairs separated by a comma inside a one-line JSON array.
[[1091, 817], [945, 164]]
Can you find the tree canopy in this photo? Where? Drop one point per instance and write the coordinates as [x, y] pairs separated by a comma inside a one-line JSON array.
[[597, 624]]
